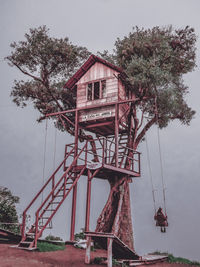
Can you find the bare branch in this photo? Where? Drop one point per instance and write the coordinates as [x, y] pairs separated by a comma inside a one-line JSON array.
[[146, 128], [26, 73]]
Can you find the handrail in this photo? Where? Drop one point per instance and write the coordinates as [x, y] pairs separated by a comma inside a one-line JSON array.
[[68, 169], [37, 195], [64, 197]]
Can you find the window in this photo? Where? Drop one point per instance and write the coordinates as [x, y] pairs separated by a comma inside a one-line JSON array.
[[103, 88], [96, 90], [89, 91]]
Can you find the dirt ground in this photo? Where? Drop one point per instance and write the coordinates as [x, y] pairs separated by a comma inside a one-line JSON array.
[[12, 257]]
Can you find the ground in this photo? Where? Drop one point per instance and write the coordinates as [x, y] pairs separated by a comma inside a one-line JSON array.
[[12, 257]]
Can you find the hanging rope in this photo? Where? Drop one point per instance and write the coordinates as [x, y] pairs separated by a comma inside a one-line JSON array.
[[54, 164], [161, 170], [44, 156], [150, 173], [54, 153], [160, 156]]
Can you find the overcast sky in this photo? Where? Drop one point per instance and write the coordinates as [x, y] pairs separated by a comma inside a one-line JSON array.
[[96, 24]]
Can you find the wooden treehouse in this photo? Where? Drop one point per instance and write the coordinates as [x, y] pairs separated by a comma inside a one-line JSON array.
[[102, 106]]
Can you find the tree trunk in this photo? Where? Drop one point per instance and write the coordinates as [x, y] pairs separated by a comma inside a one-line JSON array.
[[116, 215]]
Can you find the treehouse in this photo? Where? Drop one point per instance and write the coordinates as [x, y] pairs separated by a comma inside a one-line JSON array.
[[100, 86], [103, 104]]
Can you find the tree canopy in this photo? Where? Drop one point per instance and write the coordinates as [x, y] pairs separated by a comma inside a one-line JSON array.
[[154, 61], [8, 213], [47, 62]]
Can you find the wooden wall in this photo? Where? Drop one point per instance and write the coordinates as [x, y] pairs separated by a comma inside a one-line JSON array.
[[114, 91]]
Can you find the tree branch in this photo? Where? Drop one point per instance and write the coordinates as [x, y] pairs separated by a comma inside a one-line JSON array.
[[146, 128], [26, 73]]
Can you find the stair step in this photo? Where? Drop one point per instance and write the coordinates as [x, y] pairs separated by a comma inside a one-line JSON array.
[[25, 244], [47, 227], [64, 189], [48, 210], [30, 234], [59, 196]]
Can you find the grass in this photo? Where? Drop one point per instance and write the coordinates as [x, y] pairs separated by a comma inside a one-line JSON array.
[[100, 260], [45, 247], [172, 259]]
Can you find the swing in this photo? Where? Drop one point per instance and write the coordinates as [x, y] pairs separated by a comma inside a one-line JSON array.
[[160, 217]]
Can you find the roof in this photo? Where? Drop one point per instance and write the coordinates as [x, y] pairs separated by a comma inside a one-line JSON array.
[[86, 66]]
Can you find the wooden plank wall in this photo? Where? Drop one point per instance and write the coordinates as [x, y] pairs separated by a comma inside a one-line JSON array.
[[114, 91]]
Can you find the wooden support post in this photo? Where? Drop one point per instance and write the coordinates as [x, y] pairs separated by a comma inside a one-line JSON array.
[[116, 134], [88, 250], [109, 251], [73, 214], [87, 218]]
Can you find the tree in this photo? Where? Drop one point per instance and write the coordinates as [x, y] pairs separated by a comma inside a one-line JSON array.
[[154, 61], [8, 213], [47, 62]]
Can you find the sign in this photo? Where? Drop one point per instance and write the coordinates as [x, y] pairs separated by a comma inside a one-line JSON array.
[[96, 115], [94, 165]]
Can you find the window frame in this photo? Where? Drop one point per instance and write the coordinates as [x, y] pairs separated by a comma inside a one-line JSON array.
[[100, 90]]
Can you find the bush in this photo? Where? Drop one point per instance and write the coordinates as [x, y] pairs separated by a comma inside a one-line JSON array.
[[53, 238], [79, 236]]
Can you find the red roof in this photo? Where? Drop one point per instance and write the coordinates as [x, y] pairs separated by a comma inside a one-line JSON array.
[[86, 66]]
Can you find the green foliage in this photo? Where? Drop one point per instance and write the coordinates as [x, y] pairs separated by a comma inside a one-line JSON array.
[[79, 236], [8, 213], [48, 62], [98, 260], [53, 238], [44, 247], [155, 61], [115, 262], [172, 259]]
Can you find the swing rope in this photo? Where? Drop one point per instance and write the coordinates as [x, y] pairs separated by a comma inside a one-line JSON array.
[[160, 156], [44, 156], [161, 170], [54, 153], [150, 173]]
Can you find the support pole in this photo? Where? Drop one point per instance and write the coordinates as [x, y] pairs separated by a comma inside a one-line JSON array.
[[88, 250], [73, 214], [109, 251], [116, 134], [87, 218]]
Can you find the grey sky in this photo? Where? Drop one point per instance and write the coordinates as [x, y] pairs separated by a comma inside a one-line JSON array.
[[96, 24]]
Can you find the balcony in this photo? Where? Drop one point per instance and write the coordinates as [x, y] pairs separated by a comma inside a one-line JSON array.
[[99, 154]]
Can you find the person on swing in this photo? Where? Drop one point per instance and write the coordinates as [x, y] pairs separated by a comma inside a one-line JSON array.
[[161, 220]]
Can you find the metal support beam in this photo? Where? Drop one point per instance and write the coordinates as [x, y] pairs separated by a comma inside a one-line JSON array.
[[73, 215], [87, 218], [88, 250], [116, 134], [109, 251]]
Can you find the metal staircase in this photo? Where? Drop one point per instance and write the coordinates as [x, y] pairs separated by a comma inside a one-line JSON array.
[[122, 151], [58, 191]]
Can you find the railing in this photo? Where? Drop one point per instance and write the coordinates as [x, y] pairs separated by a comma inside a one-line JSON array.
[[51, 181], [104, 153]]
